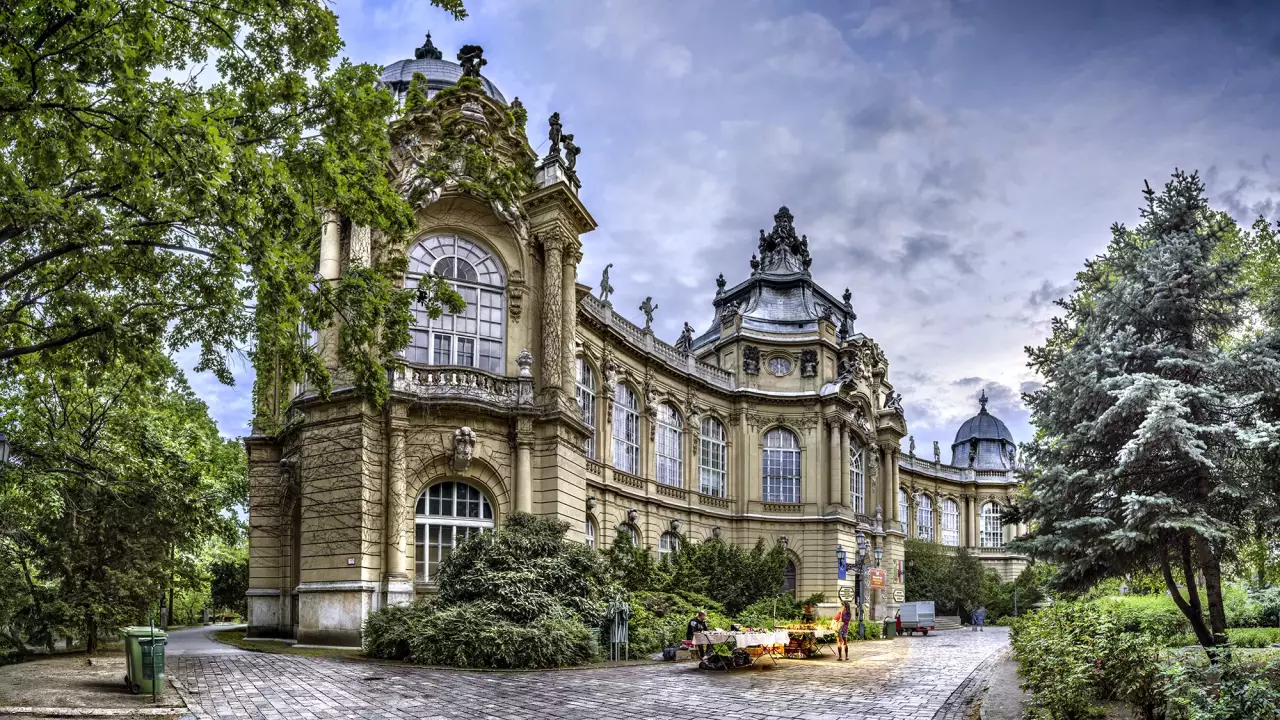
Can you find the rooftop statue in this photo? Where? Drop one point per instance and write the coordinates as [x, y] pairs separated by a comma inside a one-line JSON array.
[[685, 343], [848, 296], [781, 251], [720, 284], [755, 263], [470, 57], [428, 51], [647, 307], [554, 134], [605, 288], [911, 447], [937, 453], [571, 153]]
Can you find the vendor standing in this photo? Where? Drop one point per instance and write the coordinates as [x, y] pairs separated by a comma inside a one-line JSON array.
[[696, 625]]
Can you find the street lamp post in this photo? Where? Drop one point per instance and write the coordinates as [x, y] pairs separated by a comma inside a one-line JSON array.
[[4, 449], [860, 567]]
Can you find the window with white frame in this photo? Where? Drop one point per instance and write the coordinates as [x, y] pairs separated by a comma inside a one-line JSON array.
[[992, 528], [781, 466], [950, 523], [590, 532], [626, 430], [713, 459], [667, 544], [586, 391], [446, 514], [789, 577], [858, 477], [475, 336], [668, 447], [904, 508], [924, 517], [629, 530]]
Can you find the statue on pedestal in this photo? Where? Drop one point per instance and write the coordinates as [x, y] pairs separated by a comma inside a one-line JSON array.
[[605, 288], [554, 135], [647, 307], [470, 57]]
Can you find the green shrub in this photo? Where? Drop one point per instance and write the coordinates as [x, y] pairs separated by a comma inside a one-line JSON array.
[[1153, 614], [1268, 603], [1230, 690], [1003, 621], [476, 636], [1057, 659], [659, 620], [521, 597]]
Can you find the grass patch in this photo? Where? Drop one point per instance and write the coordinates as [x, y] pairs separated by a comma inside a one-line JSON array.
[[236, 638]]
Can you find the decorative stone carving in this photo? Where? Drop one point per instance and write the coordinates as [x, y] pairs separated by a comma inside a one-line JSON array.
[[515, 295], [685, 343], [591, 502], [647, 307], [1013, 457], [893, 401], [847, 297], [525, 361], [605, 288], [428, 51], [675, 526], [464, 448], [610, 375], [755, 261], [728, 312], [808, 363], [571, 153], [879, 519], [911, 445], [651, 401], [751, 360], [937, 453], [554, 134], [720, 283], [632, 515], [825, 312], [781, 251], [471, 58], [873, 462], [715, 532], [782, 540], [973, 451]]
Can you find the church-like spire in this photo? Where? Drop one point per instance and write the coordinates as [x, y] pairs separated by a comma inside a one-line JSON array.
[[781, 252], [428, 51], [982, 401]]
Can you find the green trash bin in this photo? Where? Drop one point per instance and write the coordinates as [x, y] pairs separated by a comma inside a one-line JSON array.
[[890, 627], [144, 658]]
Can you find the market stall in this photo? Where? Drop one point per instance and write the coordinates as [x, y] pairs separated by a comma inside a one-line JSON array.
[[740, 648]]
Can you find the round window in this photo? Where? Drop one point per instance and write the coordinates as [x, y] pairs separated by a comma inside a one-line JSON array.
[[779, 365]]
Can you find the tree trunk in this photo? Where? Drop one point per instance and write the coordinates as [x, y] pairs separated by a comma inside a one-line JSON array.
[[1212, 568], [1190, 609], [91, 634]]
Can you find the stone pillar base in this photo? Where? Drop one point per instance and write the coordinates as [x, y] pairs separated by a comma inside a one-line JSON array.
[[396, 590], [331, 614], [268, 616]]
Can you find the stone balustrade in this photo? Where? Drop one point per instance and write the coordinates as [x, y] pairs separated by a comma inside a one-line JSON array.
[[450, 383]]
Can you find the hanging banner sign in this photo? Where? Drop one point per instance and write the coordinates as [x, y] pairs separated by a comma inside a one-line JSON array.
[[877, 578], [841, 568]]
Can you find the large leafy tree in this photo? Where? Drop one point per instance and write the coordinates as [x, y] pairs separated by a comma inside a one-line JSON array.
[[1150, 420], [163, 168], [117, 474]]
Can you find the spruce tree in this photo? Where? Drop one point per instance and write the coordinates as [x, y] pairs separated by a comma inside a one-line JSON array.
[[1149, 410]]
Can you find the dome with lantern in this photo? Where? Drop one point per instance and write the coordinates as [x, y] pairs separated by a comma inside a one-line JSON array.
[[440, 73], [984, 442]]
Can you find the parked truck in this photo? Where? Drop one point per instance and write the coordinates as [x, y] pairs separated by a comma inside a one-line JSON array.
[[915, 616]]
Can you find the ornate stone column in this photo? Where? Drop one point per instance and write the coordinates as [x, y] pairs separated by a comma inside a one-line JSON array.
[[845, 477], [833, 490], [569, 298], [524, 465], [552, 309], [398, 590], [894, 481]]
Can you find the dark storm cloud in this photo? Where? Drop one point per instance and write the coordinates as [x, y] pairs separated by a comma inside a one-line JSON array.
[[1047, 293]]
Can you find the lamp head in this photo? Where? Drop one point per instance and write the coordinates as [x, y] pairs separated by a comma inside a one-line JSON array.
[[4, 449]]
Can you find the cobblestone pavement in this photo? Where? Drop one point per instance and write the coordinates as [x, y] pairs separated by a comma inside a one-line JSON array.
[[907, 679]]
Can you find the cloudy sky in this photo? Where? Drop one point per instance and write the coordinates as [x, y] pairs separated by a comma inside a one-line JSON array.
[[952, 162]]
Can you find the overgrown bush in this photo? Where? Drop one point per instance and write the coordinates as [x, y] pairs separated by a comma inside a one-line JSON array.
[[659, 620], [1268, 603], [1057, 660], [520, 597], [1231, 690]]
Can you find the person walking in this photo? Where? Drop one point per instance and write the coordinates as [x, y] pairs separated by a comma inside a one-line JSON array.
[[981, 617], [843, 615], [973, 619]]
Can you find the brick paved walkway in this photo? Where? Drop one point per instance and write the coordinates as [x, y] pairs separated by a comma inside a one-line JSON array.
[[908, 679]]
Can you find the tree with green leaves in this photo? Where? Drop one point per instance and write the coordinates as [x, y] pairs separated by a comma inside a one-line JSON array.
[[1150, 419], [117, 477], [164, 168]]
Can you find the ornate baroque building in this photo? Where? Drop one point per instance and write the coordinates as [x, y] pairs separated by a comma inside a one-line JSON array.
[[779, 421]]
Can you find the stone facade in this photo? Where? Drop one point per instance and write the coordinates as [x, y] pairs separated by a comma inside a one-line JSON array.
[[778, 422]]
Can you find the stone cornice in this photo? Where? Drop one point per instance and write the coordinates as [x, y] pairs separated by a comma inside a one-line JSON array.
[[558, 198]]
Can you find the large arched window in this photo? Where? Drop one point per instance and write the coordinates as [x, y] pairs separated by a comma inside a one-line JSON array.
[[904, 508], [667, 544], [586, 391], [668, 448], [950, 523], [626, 430], [858, 477], [781, 466], [712, 459], [473, 337], [789, 578], [924, 517], [992, 528], [629, 531], [590, 532], [447, 513]]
